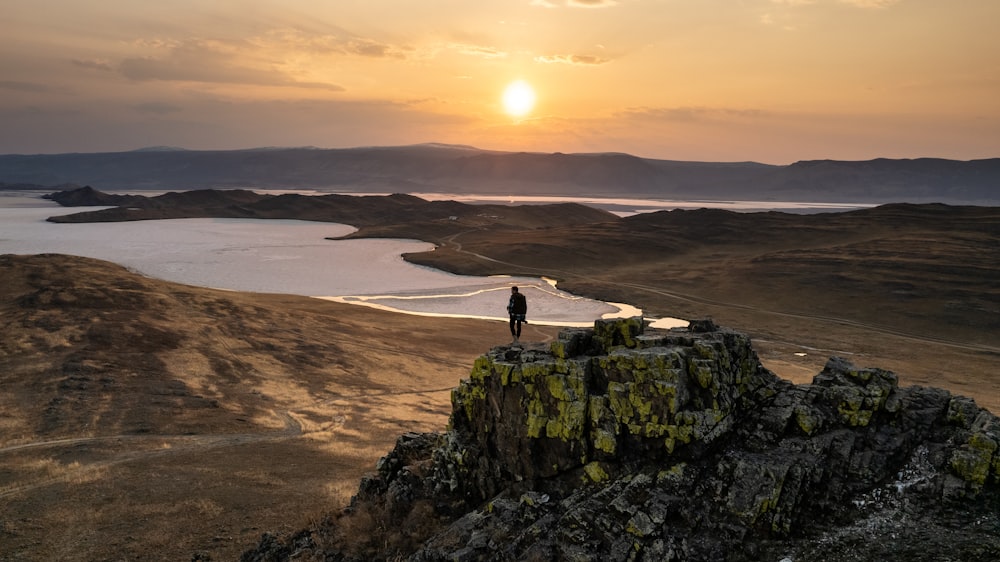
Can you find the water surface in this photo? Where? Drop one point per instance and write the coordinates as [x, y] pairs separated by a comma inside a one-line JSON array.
[[288, 256]]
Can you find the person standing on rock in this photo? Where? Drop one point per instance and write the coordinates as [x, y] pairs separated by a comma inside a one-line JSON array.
[[517, 308]]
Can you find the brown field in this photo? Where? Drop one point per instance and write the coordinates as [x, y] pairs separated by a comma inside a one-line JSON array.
[[913, 289], [144, 420]]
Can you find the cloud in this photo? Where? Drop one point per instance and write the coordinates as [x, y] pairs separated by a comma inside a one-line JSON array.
[[692, 114], [871, 3], [585, 60], [779, 20], [178, 69], [478, 50], [209, 62], [327, 43], [30, 87], [591, 3], [93, 64], [206, 122], [369, 48], [858, 3], [576, 3], [156, 108]]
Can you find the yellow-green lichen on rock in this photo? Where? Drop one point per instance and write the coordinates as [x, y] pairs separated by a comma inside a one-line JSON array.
[[974, 460], [701, 371], [537, 418], [621, 332], [604, 441], [589, 395], [535, 370], [806, 420], [673, 474], [849, 406], [565, 388], [595, 472], [962, 411], [508, 375], [570, 421], [708, 351], [482, 367]]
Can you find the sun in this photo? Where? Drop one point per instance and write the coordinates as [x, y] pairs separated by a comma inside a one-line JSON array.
[[518, 98]]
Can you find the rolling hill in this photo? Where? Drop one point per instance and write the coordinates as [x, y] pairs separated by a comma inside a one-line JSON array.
[[461, 169]]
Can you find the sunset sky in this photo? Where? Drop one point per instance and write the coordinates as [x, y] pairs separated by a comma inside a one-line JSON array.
[[714, 80]]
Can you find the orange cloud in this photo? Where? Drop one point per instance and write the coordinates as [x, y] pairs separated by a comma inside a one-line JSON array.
[[478, 50], [342, 43], [591, 3], [572, 59], [209, 62], [858, 3], [871, 3], [576, 3], [692, 114]]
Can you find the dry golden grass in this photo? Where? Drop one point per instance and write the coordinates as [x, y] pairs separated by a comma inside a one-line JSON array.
[[178, 420]]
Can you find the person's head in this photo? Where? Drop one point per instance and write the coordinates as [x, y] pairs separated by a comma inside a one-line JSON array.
[[513, 289]]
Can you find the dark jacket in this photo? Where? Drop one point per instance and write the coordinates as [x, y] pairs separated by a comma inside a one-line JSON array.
[[518, 304]]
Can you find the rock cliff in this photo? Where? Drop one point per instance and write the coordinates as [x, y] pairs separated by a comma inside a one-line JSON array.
[[623, 443]]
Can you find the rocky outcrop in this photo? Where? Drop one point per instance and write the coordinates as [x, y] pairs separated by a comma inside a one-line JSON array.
[[620, 443]]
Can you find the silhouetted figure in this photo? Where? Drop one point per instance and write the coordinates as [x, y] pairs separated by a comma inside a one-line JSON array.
[[517, 308]]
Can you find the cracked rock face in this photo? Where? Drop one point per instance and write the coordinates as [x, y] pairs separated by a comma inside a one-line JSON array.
[[619, 443]]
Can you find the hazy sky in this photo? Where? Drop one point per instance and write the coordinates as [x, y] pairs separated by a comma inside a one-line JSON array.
[[767, 80]]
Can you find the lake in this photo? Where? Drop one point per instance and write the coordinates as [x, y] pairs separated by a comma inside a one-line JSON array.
[[289, 256]]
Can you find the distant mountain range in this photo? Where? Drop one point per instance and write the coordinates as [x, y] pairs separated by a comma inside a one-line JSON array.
[[463, 169]]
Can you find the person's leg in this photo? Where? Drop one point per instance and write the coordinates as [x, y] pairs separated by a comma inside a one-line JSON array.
[[518, 334], [513, 322]]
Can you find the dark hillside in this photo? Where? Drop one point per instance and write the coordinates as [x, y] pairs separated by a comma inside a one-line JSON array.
[[372, 210], [893, 180], [451, 169]]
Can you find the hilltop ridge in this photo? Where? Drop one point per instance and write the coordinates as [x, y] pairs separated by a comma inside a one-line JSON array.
[[622, 443]]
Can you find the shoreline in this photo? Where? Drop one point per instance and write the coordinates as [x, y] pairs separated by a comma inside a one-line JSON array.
[[291, 257]]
